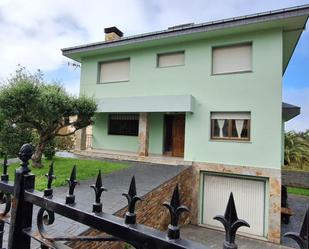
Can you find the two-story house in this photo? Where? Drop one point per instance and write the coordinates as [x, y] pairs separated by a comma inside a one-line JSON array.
[[209, 94]]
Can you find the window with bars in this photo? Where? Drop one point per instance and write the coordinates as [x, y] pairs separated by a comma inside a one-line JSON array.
[[123, 124], [230, 126]]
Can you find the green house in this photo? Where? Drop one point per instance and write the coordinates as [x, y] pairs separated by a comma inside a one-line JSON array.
[[207, 95]]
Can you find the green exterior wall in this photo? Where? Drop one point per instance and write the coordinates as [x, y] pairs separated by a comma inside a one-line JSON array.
[[101, 139], [258, 92]]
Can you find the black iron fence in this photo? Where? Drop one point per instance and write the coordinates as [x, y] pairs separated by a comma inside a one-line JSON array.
[[20, 197]]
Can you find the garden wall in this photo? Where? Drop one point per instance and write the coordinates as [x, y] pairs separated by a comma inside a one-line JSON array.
[[295, 179], [150, 211]]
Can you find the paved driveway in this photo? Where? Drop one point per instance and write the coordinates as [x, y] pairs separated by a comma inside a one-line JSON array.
[[298, 204], [214, 239], [147, 176]]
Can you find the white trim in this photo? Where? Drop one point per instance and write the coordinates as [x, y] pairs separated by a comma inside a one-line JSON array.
[[230, 115]]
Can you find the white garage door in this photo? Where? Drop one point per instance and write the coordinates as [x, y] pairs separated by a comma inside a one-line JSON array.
[[249, 196]]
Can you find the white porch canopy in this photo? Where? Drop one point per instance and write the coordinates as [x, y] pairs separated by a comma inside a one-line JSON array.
[[163, 103]]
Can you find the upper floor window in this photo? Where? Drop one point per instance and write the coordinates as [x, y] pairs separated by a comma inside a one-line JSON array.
[[171, 59], [123, 124], [230, 125], [114, 71], [232, 59]]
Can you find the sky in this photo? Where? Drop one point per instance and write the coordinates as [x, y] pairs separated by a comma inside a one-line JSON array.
[[33, 32]]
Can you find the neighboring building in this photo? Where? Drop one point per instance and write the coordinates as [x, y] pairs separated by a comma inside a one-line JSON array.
[[209, 94]]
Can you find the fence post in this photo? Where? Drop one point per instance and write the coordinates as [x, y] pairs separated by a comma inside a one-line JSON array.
[[21, 214], [1, 233]]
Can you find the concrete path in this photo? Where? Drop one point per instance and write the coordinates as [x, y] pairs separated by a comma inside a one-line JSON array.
[[214, 239], [147, 176]]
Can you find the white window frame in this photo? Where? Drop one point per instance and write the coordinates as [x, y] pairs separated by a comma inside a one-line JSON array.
[[232, 46], [99, 81], [171, 53]]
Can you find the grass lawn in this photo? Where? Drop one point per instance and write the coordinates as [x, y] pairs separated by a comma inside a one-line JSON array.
[[298, 191], [62, 167]]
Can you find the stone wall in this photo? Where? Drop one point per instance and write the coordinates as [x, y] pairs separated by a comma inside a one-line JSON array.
[[273, 177], [150, 211], [295, 179]]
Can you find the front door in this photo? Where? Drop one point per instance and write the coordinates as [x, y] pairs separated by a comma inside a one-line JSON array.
[[178, 135]]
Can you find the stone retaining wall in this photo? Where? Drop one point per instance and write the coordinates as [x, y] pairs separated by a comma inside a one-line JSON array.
[[295, 179], [150, 211]]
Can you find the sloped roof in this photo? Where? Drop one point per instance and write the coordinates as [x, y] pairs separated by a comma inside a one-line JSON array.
[[189, 29], [289, 111]]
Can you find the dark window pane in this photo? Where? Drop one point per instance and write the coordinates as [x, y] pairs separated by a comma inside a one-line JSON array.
[[234, 130], [245, 130], [216, 129], [225, 129], [123, 124]]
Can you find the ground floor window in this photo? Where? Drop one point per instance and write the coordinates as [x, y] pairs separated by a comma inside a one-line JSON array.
[[123, 124], [230, 126]]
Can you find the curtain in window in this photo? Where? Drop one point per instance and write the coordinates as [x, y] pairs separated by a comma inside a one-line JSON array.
[[239, 126], [221, 124]]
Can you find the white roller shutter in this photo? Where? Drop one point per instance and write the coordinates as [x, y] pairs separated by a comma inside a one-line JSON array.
[[232, 59], [115, 71], [249, 196], [171, 59]]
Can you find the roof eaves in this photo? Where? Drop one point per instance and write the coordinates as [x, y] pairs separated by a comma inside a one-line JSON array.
[[203, 27], [289, 111]]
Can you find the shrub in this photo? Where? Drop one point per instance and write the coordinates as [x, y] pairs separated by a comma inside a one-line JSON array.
[[296, 149], [64, 143], [50, 151]]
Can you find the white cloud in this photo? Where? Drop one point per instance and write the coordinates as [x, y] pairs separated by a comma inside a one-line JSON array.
[[299, 97], [33, 32]]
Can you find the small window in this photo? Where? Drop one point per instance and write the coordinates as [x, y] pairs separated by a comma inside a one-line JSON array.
[[171, 59], [114, 71], [232, 59], [123, 124], [230, 126]]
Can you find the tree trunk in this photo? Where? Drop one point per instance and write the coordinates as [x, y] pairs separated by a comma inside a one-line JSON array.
[[37, 155]]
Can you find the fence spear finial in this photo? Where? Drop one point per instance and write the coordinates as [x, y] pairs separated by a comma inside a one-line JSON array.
[[175, 210], [5, 176], [231, 224], [98, 189], [70, 198], [301, 238], [48, 192], [132, 200]]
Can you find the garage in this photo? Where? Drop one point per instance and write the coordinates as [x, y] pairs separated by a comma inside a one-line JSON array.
[[249, 196]]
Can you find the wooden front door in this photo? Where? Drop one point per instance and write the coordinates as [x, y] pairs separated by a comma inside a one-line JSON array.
[[178, 135]]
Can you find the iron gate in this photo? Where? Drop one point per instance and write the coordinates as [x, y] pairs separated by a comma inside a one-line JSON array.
[[20, 197]]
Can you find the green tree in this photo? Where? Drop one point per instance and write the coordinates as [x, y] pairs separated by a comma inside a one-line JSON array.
[[28, 101], [296, 149], [305, 135], [13, 136]]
